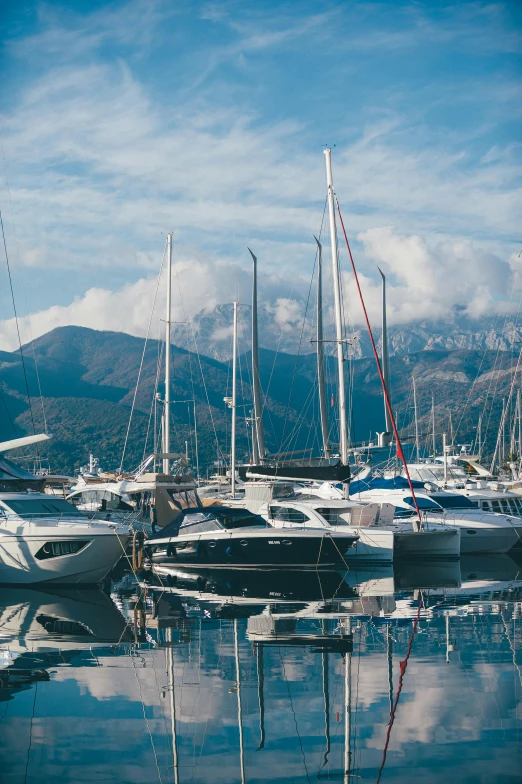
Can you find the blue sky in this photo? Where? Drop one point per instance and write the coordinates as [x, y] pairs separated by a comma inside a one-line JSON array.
[[124, 120]]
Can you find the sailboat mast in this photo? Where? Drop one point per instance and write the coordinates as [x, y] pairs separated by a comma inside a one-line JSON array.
[[384, 353], [234, 402], [256, 385], [320, 353], [166, 412], [343, 440], [434, 444], [417, 450]]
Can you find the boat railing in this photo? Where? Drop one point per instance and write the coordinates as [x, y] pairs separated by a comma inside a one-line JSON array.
[[85, 519]]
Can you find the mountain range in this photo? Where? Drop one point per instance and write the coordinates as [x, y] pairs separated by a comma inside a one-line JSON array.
[[210, 333], [82, 384]]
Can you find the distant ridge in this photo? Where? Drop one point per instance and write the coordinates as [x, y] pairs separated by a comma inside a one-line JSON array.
[[212, 331], [88, 376]]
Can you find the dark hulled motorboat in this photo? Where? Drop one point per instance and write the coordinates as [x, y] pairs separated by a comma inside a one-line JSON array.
[[225, 536]]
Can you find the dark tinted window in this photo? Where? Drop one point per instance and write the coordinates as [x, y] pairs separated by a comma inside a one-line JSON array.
[[237, 518], [36, 507], [454, 501], [56, 549]]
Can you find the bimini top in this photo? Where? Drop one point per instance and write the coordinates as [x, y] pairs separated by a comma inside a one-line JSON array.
[[15, 479]]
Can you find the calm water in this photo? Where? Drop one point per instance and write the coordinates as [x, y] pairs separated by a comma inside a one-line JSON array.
[[277, 677]]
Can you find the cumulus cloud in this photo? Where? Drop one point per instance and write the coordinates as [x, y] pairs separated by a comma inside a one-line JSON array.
[[197, 286], [428, 281], [418, 289], [100, 163]]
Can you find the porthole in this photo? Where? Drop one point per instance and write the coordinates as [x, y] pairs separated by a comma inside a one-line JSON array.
[[471, 531]]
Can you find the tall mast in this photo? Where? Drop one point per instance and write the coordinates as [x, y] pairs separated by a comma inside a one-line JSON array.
[[343, 441], [320, 353], [385, 365], [166, 412], [234, 384], [416, 419], [519, 416], [256, 385], [434, 443]]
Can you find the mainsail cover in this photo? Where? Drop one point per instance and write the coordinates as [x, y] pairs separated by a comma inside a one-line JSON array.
[[336, 472]]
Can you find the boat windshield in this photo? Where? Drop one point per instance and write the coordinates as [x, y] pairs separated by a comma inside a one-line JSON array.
[[41, 507], [454, 501], [229, 517]]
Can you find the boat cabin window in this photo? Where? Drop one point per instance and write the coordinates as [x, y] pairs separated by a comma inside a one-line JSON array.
[[287, 515], [454, 501], [184, 499], [505, 506], [99, 500], [216, 518], [515, 506], [332, 515], [486, 506], [282, 490], [496, 506], [237, 518], [36, 507]]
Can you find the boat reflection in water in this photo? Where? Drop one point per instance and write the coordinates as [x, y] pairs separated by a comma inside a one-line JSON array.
[[239, 675]]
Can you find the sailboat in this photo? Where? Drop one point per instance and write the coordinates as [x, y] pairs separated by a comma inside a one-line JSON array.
[[323, 469]]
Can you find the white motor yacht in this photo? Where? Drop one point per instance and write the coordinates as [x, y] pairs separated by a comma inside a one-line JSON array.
[[481, 532], [234, 536], [382, 537], [45, 539]]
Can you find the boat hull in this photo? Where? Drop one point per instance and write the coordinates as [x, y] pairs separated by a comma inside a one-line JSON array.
[[373, 546], [89, 566], [428, 545], [275, 548]]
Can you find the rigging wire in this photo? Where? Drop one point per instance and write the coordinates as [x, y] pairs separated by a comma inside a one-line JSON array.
[[301, 335], [398, 445], [141, 363], [189, 321], [17, 325]]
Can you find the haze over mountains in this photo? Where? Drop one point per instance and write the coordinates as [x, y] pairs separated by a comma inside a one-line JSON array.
[[87, 380]]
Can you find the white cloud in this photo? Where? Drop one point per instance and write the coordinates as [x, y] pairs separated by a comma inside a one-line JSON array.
[[100, 164]]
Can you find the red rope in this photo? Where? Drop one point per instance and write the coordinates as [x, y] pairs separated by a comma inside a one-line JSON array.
[[402, 666], [400, 453]]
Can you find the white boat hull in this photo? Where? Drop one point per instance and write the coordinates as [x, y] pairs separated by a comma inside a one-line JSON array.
[[19, 564], [486, 540], [373, 546]]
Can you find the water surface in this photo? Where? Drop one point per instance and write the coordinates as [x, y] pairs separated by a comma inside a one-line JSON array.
[[231, 677]]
